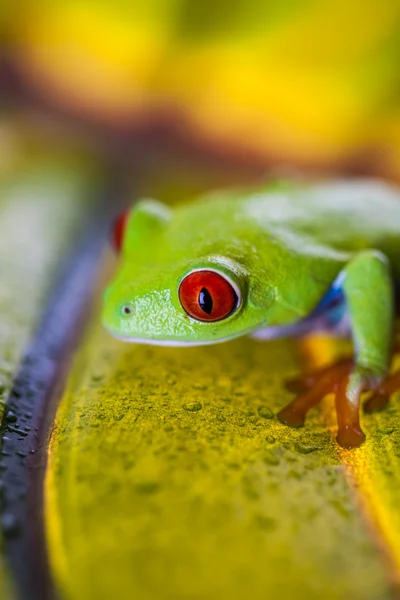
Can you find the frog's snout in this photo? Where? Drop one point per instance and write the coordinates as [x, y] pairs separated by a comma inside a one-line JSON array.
[[116, 311]]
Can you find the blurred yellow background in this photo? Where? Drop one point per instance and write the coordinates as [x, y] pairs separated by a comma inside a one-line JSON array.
[[309, 82]]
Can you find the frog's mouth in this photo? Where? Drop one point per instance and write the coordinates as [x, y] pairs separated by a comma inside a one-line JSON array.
[[171, 343], [315, 323]]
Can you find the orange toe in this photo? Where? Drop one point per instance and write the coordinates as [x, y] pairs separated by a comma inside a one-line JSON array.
[[350, 438], [350, 434], [313, 387], [381, 396]]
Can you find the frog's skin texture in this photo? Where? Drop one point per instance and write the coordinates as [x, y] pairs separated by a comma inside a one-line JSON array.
[[301, 257]]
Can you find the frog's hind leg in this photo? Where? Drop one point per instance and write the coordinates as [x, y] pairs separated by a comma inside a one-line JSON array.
[[314, 386]]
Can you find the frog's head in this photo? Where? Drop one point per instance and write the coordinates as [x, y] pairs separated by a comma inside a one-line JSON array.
[[181, 280]]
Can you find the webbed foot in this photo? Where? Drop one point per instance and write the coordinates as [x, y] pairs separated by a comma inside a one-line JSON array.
[[341, 379], [314, 386], [347, 382]]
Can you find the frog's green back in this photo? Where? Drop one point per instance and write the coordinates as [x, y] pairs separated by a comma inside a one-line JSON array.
[[347, 215]]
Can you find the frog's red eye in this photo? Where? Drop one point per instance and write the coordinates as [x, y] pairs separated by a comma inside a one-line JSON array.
[[207, 296], [118, 231]]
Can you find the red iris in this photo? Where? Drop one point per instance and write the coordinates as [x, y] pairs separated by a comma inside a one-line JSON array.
[[118, 231], [207, 296]]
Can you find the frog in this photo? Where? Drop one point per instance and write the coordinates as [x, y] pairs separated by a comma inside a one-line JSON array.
[[277, 259]]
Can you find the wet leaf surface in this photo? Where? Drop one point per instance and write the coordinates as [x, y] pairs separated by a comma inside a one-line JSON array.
[[168, 478]]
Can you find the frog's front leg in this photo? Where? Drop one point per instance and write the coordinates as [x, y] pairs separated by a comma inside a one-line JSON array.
[[368, 291]]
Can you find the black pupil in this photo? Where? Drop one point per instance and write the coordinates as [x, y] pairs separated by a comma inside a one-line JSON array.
[[205, 301]]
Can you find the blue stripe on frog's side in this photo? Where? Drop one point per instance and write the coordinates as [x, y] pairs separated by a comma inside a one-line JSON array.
[[332, 307], [330, 315]]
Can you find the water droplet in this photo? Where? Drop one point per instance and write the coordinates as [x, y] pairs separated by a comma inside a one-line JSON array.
[[386, 430], [294, 474], [265, 412], [270, 458], [264, 522], [9, 524], [234, 465], [11, 417], [96, 377], [270, 439], [226, 399], [148, 487], [306, 449], [193, 406], [199, 386], [15, 430]]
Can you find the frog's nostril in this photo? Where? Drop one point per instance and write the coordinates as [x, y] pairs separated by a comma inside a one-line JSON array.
[[126, 310]]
